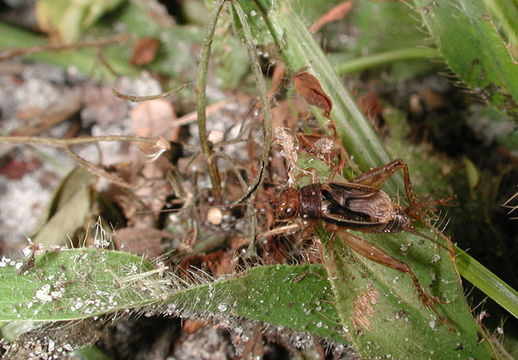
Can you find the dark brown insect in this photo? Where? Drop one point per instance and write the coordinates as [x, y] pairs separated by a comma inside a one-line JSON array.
[[360, 205]]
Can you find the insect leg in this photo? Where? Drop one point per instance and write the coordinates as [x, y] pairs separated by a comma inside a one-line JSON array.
[[379, 256], [377, 176]]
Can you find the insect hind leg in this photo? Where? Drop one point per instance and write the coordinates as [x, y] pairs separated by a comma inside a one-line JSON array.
[[376, 177], [374, 253]]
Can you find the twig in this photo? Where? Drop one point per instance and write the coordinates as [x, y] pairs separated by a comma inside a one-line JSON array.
[[135, 98], [11, 53], [96, 170], [61, 143], [201, 101], [66, 143], [191, 117]]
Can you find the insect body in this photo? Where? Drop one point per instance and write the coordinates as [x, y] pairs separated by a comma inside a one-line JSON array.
[[360, 205], [354, 206]]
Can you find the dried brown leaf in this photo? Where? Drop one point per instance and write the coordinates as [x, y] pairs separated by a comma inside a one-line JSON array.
[[144, 51], [39, 120], [15, 168], [153, 118], [309, 87]]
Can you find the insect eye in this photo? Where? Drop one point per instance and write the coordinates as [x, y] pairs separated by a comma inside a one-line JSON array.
[[288, 212], [285, 212], [286, 207]]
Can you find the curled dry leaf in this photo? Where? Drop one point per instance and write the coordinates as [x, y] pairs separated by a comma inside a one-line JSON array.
[[144, 51], [309, 87]]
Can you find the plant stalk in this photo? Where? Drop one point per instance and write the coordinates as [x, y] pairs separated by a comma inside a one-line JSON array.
[[265, 104], [375, 60], [201, 102]]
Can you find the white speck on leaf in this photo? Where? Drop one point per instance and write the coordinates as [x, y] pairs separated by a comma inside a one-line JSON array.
[[43, 294], [432, 322]]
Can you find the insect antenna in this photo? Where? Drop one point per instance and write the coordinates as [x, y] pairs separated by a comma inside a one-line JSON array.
[[413, 209]]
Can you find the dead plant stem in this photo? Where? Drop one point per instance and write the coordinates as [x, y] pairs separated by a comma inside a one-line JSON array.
[[62, 143], [201, 101], [265, 104]]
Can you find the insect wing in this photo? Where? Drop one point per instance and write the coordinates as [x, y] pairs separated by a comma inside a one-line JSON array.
[[343, 193], [350, 222], [358, 203]]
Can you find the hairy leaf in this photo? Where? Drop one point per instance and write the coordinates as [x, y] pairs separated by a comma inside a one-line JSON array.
[[81, 283], [468, 38]]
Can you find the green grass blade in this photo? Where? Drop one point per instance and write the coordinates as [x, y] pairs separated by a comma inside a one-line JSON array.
[[487, 282], [384, 58], [506, 12]]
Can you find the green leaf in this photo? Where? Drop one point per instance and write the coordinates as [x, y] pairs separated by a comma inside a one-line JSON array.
[[72, 284], [382, 313], [69, 18], [506, 12], [295, 297], [81, 283], [85, 60], [468, 39]]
